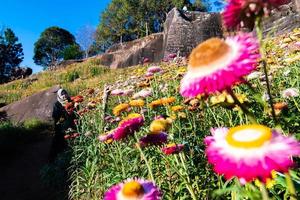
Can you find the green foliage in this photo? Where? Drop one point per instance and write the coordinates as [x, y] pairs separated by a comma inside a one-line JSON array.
[[32, 124], [72, 52], [48, 49], [11, 53], [71, 76]]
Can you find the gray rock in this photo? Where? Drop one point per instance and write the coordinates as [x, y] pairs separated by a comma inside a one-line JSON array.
[[283, 20], [38, 106], [184, 31]]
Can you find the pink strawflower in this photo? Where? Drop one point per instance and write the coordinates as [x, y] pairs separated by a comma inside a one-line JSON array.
[[250, 152], [172, 149], [117, 92], [154, 139], [134, 189], [215, 64], [242, 13], [290, 92], [128, 92], [127, 127], [149, 74], [143, 93], [154, 69], [106, 136]]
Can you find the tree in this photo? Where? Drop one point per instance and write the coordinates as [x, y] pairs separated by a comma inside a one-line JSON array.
[[11, 53], [199, 6], [86, 38], [48, 50], [72, 52], [126, 20]]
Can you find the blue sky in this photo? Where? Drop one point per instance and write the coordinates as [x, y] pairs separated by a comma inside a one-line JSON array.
[[28, 18]]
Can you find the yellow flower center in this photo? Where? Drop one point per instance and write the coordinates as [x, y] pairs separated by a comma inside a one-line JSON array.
[[208, 51], [248, 136], [132, 189]]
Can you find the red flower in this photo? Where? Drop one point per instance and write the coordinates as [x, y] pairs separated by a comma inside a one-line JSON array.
[[172, 149]]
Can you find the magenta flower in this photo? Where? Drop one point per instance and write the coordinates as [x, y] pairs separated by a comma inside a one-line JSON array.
[[134, 189], [154, 139], [215, 64], [250, 152], [172, 149], [106, 136], [127, 127], [242, 13]]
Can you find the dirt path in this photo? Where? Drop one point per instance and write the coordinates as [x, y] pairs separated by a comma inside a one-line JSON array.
[[20, 173]]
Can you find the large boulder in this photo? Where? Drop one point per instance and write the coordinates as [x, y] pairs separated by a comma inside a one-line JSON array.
[[38, 106], [185, 30], [182, 32], [133, 53]]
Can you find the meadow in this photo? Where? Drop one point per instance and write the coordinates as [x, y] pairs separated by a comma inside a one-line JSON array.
[[169, 146]]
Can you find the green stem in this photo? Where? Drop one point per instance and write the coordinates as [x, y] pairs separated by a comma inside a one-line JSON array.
[[146, 161], [264, 192], [296, 104], [258, 24], [291, 186], [185, 178], [214, 116], [244, 108], [120, 158]]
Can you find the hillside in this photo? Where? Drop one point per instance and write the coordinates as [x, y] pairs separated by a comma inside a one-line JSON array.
[[99, 159]]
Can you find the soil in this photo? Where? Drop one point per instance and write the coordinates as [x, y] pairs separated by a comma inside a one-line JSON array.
[[20, 171]]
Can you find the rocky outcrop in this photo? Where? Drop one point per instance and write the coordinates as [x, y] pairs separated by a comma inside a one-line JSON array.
[[283, 20], [182, 32], [38, 106], [132, 53], [185, 30]]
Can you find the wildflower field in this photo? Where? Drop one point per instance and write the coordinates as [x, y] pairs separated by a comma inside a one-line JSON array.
[[160, 138], [222, 124]]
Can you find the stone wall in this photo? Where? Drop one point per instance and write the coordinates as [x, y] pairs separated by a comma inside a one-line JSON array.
[[283, 20], [183, 31]]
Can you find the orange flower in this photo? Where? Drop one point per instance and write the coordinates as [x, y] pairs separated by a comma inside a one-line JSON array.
[[137, 103], [77, 99], [162, 101], [177, 108]]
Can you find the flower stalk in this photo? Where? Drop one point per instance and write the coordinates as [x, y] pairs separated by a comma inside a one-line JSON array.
[[259, 32]]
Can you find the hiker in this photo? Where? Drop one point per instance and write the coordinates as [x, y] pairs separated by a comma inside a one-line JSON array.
[[63, 116]]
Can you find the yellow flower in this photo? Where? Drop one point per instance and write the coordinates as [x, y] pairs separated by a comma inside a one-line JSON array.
[[270, 181], [137, 103], [220, 98], [182, 115], [120, 108], [159, 125], [177, 108], [225, 97]]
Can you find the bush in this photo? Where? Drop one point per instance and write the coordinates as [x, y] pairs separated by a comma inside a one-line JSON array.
[[71, 76]]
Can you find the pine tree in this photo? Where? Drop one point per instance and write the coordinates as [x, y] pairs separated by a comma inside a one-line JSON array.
[[11, 53]]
